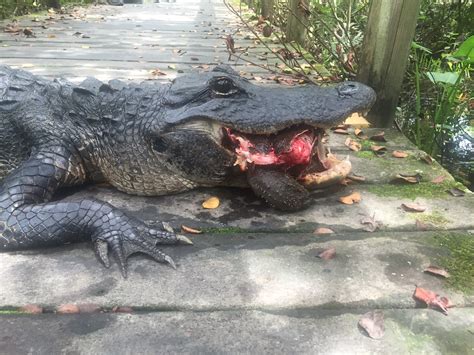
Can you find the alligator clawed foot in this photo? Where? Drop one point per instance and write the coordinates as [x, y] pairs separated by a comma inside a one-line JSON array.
[[136, 239]]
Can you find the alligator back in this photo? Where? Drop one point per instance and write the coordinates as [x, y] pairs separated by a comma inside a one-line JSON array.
[[14, 145]]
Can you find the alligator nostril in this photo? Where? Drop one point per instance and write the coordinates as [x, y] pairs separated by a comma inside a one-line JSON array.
[[347, 88]]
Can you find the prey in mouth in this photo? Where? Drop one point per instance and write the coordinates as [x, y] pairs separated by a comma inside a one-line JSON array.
[[283, 166]]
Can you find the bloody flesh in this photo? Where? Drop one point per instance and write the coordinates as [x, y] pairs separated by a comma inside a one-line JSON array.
[[287, 149]]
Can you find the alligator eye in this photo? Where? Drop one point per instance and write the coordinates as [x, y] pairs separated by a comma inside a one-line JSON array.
[[223, 87]]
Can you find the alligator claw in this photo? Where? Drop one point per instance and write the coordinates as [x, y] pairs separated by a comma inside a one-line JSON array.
[[137, 239], [184, 240]]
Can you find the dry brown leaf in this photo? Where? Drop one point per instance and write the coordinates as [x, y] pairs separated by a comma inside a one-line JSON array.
[[355, 177], [379, 137], [456, 192], [410, 178], [89, 308], [327, 254], [68, 309], [421, 226], [439, 179], [436, 271], [432, 299], [211, 203], [323, 230], [157, 72], [371, 225], [413, 207], [350, 199], [341, 131], [190, 230], [399, 154], [378, 148], [358, 132], [353, 145], [427, 159], [372, 322], [31, 309]]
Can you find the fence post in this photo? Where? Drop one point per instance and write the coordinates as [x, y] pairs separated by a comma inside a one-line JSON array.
[[297, 19], [267, 8], [388, 37]]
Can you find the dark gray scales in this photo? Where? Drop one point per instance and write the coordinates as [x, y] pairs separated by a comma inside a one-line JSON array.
[[144, 139]]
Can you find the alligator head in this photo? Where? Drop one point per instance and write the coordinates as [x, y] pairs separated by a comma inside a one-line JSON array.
[[220, 129]]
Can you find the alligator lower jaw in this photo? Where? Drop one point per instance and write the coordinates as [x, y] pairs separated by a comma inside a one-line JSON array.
[[296, 152]]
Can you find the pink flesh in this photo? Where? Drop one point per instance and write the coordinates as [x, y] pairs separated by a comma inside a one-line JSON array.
[[298, 153]]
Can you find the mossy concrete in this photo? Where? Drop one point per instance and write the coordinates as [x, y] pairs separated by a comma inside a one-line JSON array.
[[418, 331]]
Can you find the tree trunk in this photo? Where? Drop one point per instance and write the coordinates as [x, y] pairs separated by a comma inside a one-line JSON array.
[[267, 9], [388, 37], [297, 21], [55, 4]]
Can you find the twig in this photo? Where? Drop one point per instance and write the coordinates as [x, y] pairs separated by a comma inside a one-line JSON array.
[[276, 54]]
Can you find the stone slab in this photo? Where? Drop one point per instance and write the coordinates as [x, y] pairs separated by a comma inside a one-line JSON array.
[[241, 209], [250, 332], [237, 271]]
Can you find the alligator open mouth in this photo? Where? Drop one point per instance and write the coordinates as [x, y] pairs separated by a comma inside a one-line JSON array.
[[286, 160]]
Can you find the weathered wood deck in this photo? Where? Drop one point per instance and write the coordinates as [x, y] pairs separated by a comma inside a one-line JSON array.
[[253, 276]]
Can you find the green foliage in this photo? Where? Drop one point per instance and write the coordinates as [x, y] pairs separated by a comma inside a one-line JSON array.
[[437, 92], [9, 8]]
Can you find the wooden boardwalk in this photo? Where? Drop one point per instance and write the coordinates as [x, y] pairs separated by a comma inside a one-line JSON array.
[[130, 42]]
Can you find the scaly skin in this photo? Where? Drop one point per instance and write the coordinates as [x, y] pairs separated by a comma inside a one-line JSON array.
[[144, 139]]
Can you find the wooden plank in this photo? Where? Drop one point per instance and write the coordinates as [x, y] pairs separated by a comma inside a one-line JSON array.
[[390, 29]]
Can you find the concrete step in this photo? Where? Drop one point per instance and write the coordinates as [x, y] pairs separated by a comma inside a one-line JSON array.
[[241, 271], [413, 331]]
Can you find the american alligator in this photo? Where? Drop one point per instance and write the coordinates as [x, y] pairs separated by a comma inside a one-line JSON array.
[[203, 129]]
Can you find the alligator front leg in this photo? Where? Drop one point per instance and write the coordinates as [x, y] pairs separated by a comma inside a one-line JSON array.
[[28, 220]]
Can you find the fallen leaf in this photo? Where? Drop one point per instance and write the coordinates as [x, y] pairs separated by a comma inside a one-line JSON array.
[[172, 66], [372, 322], [379, 137], [122, 309], [439, 179], [432, 299], [399, 154], [89, 308], [355, 177], [85, 47], [194, 59], [413, 207], [371, 225], [211, 203], [350, 199], [436, 271], [68, 309], [31, 309], [327, 254], [358, 132], [379, 149], [456, 192], [187, 229], [427, 159], [340, 131], [51, 36], [353, 145], [157, 72], [28, 32], [410, 178], [421, 226], [323, 230]]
